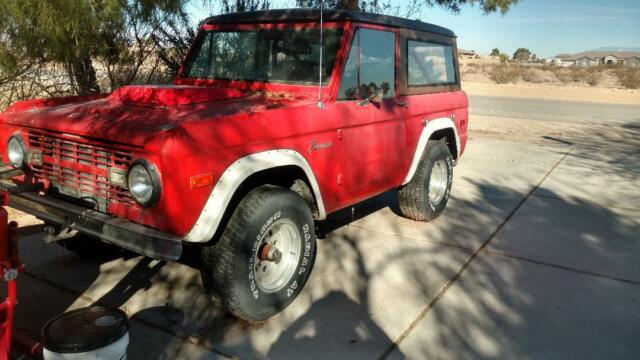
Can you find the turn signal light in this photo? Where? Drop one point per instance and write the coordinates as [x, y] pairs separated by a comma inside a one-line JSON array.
[[202, 180]]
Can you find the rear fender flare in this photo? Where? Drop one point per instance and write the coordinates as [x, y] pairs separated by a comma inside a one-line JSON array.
[[431, 127]]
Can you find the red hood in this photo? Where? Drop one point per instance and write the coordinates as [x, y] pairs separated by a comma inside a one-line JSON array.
[[131, 115], [171, 95]]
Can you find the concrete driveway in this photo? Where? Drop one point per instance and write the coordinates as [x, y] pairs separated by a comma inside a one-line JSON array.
[[536, 256]]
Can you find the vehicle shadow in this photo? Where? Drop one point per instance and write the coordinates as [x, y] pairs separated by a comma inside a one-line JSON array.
[[377, 273]]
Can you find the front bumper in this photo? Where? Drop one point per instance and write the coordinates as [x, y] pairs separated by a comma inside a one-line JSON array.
[[126, 234]]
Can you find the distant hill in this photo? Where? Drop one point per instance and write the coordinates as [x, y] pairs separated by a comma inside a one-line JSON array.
[[616, 49]]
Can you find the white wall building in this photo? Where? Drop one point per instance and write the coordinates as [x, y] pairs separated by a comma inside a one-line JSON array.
[[592, 58]]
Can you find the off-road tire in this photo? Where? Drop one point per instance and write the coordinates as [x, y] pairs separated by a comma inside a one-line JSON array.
[[228, 265], [414, 197]]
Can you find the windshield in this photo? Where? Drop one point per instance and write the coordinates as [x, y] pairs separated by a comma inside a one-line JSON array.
[[280, 56]]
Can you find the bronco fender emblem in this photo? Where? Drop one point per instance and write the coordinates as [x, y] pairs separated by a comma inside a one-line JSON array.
[[319, 146]]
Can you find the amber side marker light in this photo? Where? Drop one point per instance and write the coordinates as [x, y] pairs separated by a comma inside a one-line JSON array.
[[202, 180]]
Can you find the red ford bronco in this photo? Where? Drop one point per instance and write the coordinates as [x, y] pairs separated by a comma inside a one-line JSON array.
[[273, 122]]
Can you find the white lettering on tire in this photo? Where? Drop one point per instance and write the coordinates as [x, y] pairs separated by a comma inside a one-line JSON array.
[[307, 247]]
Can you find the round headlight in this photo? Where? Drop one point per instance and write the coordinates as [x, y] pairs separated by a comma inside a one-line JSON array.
[[144, 183], [16, 151]]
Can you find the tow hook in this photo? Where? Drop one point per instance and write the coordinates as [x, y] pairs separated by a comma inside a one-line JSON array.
[[270, 253], [53, 234]]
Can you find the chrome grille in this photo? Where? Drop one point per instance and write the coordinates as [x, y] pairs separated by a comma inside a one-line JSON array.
[[79, 169]]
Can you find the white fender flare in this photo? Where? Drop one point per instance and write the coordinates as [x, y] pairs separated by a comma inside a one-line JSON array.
[[431, 127], [211, 215]]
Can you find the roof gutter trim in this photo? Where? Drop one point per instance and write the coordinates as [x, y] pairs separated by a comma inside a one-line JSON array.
[[310, 15]]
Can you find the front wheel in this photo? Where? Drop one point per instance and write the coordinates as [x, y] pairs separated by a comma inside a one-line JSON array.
[[426, 195], [264, 256]]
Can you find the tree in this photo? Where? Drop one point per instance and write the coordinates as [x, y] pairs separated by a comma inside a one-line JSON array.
[[76, 33], [176, 35], [53, 48], [173, 40], [495, 52], [504, 58], [379, 6], [231, 6], [522, 54]]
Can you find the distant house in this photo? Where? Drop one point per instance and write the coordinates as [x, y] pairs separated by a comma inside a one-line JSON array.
[[586, 61], [563, 60], [592, 58], [468, 54]]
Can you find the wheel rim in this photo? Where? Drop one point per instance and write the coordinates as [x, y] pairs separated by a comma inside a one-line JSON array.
[[438, 181], [278, 256]]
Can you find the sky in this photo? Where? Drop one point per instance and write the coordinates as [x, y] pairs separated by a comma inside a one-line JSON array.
[[546, 27]]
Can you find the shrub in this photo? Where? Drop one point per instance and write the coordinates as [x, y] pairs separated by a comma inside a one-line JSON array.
[[538, 75], [628, 77], [504, 74], [472, 68], [594, 78], [530, 76], [563, 75], [577, 74]]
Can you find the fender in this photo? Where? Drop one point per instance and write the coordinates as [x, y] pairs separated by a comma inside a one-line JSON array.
[[211, 215], [431, 127]]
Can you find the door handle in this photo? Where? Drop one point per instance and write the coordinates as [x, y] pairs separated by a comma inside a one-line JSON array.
[[402, 103]]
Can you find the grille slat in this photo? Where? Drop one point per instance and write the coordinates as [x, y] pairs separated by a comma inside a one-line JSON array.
[[79, 167]]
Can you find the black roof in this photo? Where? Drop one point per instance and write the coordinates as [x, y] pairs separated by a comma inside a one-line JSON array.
[[311, 15]]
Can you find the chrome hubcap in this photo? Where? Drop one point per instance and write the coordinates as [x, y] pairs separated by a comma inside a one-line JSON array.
[[278, 256], [438, 181]]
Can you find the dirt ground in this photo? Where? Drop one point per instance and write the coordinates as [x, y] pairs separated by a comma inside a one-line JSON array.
[[555, 92]]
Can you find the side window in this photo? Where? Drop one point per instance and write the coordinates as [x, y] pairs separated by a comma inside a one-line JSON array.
[[370, 67], [200, 65], [430, 64]]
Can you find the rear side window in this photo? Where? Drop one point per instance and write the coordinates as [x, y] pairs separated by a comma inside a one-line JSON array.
[[430, 64], [370, 67]]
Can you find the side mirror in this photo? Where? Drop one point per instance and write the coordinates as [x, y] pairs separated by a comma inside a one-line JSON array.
[[373, 98]]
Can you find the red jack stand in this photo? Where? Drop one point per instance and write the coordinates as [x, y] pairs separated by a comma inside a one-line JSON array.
[[10, 266]]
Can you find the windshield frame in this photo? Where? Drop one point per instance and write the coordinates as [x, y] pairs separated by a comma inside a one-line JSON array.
[[182, 79]]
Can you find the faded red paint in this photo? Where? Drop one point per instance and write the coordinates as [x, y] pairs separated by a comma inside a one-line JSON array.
[[200, 126]]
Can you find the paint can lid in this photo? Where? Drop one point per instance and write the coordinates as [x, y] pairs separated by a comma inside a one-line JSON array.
[[85, 329]]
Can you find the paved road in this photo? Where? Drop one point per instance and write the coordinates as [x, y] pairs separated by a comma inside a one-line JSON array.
[[562, 111], [536, 256]]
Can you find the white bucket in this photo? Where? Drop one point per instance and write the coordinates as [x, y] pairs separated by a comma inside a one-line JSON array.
[[93, 333]]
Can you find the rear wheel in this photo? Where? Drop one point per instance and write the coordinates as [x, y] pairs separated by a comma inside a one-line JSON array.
[[264, 256], [426, 195]]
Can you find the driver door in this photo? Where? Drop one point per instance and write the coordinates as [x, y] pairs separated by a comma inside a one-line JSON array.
[[371, 126]]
